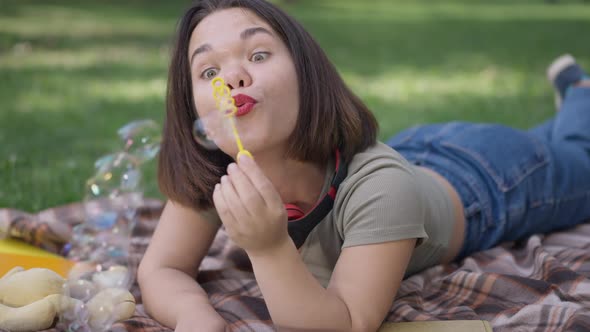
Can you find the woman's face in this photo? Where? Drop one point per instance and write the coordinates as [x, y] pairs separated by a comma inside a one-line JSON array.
[[241, 48]]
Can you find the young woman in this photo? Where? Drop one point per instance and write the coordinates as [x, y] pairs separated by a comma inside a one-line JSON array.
[[331, 219]]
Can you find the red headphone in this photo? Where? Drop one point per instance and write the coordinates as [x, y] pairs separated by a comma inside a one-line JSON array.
[[293, 212], [301, 224]]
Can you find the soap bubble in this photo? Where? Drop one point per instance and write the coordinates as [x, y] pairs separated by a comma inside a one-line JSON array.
[[80, 289], [203, 136], [4, 228], [75, 320], [212, 130], [100, 246], [141, 139], [117, 174]]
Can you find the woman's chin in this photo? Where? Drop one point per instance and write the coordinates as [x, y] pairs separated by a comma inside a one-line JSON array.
[[231, 148]]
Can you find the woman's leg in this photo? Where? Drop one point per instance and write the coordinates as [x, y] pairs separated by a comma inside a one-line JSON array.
[[513, 183], [572, 123], [564, 181], [544, 130], [564, 74]]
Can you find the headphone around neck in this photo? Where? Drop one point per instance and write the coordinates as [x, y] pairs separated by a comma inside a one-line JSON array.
[[301, 224]]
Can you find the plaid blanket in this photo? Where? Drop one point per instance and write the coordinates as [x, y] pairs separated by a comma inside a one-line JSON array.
[[541, 284]]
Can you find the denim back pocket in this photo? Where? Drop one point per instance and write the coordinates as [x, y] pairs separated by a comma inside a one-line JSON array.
[[507, 155]]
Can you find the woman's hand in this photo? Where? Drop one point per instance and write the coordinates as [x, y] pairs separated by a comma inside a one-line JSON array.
[[250, 208]]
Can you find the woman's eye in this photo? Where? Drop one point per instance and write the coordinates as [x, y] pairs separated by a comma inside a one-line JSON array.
[[209, 73], [260, 56]]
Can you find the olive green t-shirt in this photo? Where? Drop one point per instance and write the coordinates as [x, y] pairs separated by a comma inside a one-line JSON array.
[[383, 198]]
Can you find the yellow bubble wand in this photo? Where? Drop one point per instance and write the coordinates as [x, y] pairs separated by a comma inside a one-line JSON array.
[[226, 104]]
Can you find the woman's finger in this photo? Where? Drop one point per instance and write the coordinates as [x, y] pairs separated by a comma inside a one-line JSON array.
[[222, 207], [233, 200], [262, 184], [250, 197]]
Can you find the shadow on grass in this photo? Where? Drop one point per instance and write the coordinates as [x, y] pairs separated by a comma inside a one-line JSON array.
[[455, 45]]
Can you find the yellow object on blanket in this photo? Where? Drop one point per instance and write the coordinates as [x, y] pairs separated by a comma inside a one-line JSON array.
[[18, 253], [438, 326]]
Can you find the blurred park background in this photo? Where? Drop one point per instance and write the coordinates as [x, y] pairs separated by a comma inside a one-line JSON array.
[[73, 72]]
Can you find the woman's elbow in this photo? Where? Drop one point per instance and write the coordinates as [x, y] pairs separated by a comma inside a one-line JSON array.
[[361, 322], [362, 325], [365, 322]]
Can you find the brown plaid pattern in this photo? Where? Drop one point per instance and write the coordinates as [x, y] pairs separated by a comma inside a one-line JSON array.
[[542, 284]]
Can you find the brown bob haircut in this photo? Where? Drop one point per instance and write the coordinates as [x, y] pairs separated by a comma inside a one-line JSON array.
[[330, 115]]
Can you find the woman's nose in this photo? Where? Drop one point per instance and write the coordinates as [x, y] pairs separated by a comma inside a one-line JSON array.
[[238, 78]]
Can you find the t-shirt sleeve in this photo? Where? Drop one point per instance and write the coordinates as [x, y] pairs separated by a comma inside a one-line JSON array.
[[382, 205]]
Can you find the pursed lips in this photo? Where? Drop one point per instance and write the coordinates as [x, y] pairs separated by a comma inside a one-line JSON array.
[[244, 103]]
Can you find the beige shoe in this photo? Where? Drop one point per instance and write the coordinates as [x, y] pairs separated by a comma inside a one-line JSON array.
[[562, 73]]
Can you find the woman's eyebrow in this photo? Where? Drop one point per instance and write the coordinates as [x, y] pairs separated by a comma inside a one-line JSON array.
[[252, 31], [248, 33], [201, 49]]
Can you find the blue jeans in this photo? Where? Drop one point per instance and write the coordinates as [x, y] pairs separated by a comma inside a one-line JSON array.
[[512, 183]]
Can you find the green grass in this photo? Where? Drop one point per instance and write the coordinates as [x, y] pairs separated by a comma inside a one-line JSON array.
[[72, 73]]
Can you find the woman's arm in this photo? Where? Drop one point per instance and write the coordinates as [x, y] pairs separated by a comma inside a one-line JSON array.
[[167, 272], [361, 291], [388, 211]]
